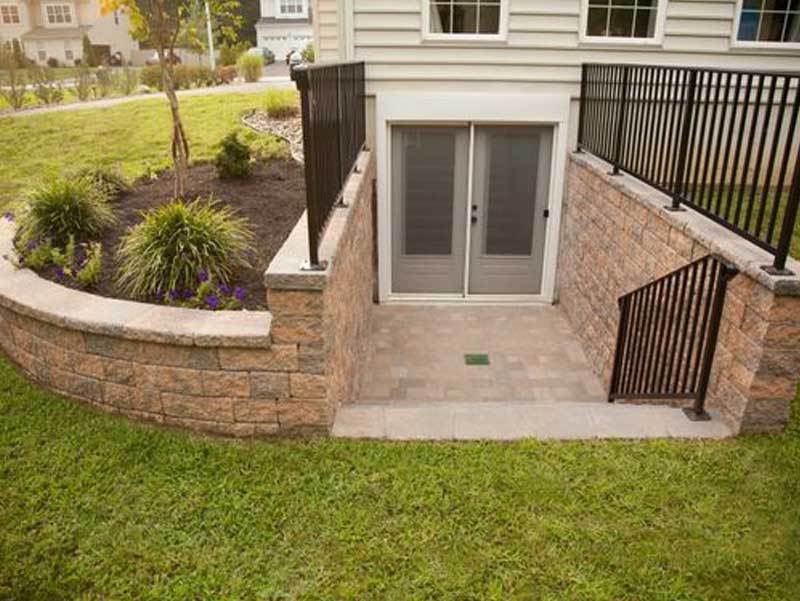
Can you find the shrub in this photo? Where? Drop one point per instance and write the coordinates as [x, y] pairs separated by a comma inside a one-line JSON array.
[[83, 84], [111, 182], [175, 243], [103, 83], [13, 86], [89, 55], [229, 54], [88, 272], [53, 63], [308, 53], [126, 80], [234, 158], [151, 77], [282, 104], [250, 67], [203, 76], [62, 208], [45, 86], [80, 264], [225, 74]]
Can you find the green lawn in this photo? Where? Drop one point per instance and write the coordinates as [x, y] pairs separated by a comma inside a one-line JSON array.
[[134, 136], [93, 507]]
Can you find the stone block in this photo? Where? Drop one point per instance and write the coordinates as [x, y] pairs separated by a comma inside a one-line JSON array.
[[226, 383], [256, 410], [178, 356], [84, 364], [119, 371], [301, 415], [115, 348], [297, 330], [312, 358], [132, 398], [269, 385], [307, 386], [76, 385], [211, 427], [217, 409], [294, 302], [170, 379], [276, 358]]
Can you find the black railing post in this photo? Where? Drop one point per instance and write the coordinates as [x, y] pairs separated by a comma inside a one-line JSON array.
[[621, 119], [339, 136], [300, 76], [725, 272], [582, 102], [683, 146], [622, 333], [778, 267]]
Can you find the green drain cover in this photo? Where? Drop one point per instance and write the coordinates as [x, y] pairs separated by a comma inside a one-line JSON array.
[[476, 359]]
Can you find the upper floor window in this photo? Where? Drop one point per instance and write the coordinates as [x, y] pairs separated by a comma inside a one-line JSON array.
[[480, 18], [291, 8], [9, 14], [622, 20], [58, 14], [769, 21]]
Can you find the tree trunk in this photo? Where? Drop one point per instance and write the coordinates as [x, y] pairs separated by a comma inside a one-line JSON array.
[[180, 144]]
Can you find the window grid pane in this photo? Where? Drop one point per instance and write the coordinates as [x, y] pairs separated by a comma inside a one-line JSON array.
[[769, 21], [456, 17], [622, 18]]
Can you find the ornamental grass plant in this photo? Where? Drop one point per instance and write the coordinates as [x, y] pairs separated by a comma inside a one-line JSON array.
[[175, 243]]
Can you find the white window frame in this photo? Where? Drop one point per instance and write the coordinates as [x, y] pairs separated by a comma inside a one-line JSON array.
[[303, 14], [656, 40], [72, 15], [19, 13], [500, 36], [737, 43]]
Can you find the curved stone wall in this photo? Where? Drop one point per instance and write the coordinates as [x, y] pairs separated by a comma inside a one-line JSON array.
[[234, 373]]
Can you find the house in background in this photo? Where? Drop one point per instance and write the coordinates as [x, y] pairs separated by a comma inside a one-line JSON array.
[[55, 29], [285, 25]]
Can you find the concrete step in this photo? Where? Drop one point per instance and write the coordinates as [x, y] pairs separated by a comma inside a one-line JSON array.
[[408, 420]]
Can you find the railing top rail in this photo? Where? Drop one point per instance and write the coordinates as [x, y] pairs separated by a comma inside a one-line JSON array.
[[706, 69], [311, 67], [727, 266]]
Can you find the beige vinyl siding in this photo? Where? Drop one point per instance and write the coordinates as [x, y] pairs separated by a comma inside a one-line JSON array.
[[327, 30], [542, 51]]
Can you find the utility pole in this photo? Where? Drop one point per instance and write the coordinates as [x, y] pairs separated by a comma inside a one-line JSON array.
[[211, 57]]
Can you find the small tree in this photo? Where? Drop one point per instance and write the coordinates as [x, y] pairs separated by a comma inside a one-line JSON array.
[[89, 56], [14, 86], [160, 24]]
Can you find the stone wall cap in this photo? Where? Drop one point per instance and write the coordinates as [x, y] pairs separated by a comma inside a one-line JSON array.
[[286, 269], [746, 256], [24, 292]]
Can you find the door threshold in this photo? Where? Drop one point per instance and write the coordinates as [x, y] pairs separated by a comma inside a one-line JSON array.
[[511, 299]]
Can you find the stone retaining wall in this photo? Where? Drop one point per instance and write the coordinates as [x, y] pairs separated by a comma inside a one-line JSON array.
[[327, 313], [617, 237], [234, 373]]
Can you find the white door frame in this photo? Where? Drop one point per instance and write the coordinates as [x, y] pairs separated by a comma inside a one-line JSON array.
[[433, 108]]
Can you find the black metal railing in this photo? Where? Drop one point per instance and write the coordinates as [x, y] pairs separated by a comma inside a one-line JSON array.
[[334, 133], [722, 142], [668, 335]]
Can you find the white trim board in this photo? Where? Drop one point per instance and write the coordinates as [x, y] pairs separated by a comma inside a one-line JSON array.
[[430, 108]]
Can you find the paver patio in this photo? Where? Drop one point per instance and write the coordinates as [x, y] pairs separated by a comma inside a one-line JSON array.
[[418, 354]]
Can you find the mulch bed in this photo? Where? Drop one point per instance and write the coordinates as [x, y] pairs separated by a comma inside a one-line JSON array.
[[272, 200]]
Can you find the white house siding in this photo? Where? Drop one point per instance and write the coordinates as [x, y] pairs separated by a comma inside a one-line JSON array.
[[542, 52]]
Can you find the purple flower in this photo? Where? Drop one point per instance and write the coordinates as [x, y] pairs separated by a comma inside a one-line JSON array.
[[238, 293], [32, 244], [59, 273], [174, 294], [212, 300], [203, 276], [160, 295], [9, 216], [187, 294], [224, 289]]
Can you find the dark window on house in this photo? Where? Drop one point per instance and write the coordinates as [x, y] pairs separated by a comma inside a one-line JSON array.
[[769, 21], [465, 16], [622, 18], [9, 14]]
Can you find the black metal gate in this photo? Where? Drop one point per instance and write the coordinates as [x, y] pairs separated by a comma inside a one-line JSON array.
[[668, 334]]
